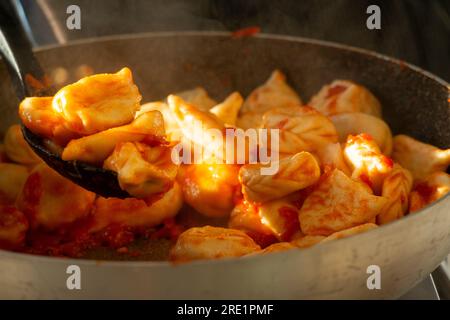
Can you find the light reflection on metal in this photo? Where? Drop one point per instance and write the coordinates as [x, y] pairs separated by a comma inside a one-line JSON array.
[[53, 22], [24, 20]]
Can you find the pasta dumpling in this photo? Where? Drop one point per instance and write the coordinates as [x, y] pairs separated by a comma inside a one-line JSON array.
[[396, 188], [13, 228], [294, 173], [142, 170], [12, 178], [171, 127], [195, 124], [350, 232], [197, 97], [210, 188], [281, 217], [132, 212], [17, 149], [228, 110], [274, 93], [38, 115], [307, 241], [212, 243], [300, 129], [277, 247], [98, 102], [94, 149], [331, 156], [429, 189], [345, 96], [338, 203], [3, 155], [245, 216], [354, 123], [420, 158], [274, 219], [50, 201], [366, 160], [249, 120]]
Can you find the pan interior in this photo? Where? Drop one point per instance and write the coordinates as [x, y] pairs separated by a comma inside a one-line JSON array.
[[413, 102]]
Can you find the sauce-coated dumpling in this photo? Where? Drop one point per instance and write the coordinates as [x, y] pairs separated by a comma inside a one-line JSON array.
[[345, 96], [300, 129], [210, 188], [429, 189], [132, 212], [212, 243], [142, 170], [353, 123], [332, 156], [13, 227], [420, 158], [366, 160], [274, 93], [227, 111], [12, 179], [338, 203], [277, 219], [195, 124], [307, 241], [94, 149], [396, 188], [50, 201], [17, 149], [197, 97], [171, 127], [350, 232], [38, 115], [294, 173], [98, 102], [277, 247]]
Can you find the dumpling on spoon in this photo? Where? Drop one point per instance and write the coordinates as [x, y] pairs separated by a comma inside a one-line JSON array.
[[98, 102]]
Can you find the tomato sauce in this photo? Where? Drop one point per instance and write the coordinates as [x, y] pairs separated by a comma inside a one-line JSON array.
[[335, 90], [291, 222], [246, 32], [262, 239]]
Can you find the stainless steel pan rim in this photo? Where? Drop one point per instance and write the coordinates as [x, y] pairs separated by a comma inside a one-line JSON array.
[[311, 250]]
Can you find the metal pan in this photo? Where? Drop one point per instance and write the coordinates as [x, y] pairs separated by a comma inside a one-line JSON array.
[[406, 251]]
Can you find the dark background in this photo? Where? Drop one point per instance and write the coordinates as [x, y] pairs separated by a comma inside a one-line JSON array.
[[417, 31]]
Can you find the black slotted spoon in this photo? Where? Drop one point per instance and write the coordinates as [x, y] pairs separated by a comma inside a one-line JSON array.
[[22, 63]]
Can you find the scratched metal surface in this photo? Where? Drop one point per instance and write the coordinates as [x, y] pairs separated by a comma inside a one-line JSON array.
[[407, 251]]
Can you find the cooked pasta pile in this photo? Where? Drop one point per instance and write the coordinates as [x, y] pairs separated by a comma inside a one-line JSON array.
[[340, 170]]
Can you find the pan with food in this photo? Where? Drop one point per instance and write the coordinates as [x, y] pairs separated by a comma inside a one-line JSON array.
[[361, 177]]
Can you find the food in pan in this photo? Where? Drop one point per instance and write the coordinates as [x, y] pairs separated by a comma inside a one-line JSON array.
[[340, 172]]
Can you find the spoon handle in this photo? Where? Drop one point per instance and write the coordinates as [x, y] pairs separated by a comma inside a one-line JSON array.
[[24, 69]]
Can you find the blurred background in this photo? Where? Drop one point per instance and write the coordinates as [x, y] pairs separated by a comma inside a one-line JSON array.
[[417, 31]]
